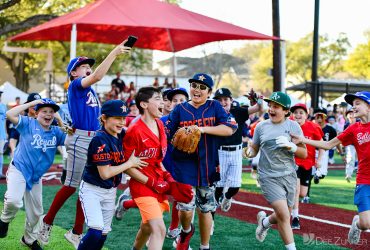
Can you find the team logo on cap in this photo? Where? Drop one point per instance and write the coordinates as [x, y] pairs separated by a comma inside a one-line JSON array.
[[37, 97], [275, 96], [220, 91], [201, 78], [124, 109]]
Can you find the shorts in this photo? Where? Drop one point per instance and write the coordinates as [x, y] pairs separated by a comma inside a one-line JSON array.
[[304, 176], [204, 199], [150, 208], [279, 188], [362, 197]]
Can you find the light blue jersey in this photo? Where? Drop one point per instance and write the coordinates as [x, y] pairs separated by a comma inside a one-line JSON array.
[[84, 106], [36, 149], [2, 121]]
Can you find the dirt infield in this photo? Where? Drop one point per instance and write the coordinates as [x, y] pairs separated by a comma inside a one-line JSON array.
[[323, 224]]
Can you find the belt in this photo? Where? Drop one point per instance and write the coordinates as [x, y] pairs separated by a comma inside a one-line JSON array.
[[84, 132], [231, 147]]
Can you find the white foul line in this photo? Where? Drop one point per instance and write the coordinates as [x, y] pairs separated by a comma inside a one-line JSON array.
[[300, 216]]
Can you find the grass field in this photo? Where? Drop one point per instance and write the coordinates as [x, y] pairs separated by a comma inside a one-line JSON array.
[[229, 233]]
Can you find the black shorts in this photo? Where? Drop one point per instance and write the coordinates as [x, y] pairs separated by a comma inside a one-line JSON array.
[[304, 176]]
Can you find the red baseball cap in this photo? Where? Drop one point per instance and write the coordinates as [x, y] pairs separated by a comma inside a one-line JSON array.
[[299, 106]]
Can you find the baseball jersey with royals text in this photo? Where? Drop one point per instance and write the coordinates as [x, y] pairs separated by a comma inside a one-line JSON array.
[[358, 135], [83, 106], [104, 149], [36, 149], [146, 144], [201, 167]]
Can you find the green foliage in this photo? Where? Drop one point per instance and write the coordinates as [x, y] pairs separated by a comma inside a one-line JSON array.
[[358, 63]]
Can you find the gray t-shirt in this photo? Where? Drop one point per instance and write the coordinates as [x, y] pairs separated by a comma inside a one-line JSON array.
[[274, 161]]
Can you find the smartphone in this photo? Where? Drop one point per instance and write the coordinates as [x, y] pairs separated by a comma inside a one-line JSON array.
[[130, 41]]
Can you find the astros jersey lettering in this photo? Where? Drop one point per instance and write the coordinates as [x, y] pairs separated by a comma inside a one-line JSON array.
[[36, 149], [84, 106], [146, 144], [358, 135], [104, 149], [201, 167]]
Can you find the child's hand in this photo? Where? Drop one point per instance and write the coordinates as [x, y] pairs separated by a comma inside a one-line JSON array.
[[35, 102], [121, 49], [136, 162], [296, 139]]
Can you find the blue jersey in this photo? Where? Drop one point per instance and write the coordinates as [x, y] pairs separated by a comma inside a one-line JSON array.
[[201, 167], [36, 149], [2, 121], [84, 106], [104, 149], [167, 160]]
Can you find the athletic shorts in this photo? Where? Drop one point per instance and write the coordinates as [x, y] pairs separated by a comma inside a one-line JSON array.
[[150, 208], [362, 197], [279, 188], [204, 199], [304, 176]]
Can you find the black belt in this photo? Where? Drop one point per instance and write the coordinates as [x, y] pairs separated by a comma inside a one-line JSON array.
[[230, 148]]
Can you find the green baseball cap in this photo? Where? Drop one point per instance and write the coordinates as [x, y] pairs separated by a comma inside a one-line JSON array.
[[279, 98]]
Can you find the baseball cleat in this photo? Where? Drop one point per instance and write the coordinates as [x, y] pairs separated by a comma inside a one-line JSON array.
[[34, 245], [225, 204], [74, 239], [295, 223], [120, 210], [44, 233]]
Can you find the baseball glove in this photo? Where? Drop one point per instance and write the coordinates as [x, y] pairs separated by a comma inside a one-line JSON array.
[[186, 139], [253, 97]]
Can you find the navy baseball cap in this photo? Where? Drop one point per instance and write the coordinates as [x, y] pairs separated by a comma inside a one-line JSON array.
[[77, 61], [176, 91], [132, 103], [319, 111], [33, 96], [165, 92], [47, 103], [202, 78], [222, 92], [114, 108], [363, 95]]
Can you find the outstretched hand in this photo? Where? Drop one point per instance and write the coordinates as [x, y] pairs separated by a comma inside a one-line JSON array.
[[122, 49], [296, 139], [137, 162], [282, 142]]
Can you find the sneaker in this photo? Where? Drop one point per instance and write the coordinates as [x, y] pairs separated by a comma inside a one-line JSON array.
[[174, 243], [354, 233], [34, 246], [173, 233], [261, 231], [316, 179], [348, 178], [3, 229], [295, 223], [305, 200], [74, 239], [225, 204], [120, 210], [183, 241], [44, 233]]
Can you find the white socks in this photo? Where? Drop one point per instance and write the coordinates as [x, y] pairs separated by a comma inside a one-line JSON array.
[[295, 213], [290, 246], [266, 222]]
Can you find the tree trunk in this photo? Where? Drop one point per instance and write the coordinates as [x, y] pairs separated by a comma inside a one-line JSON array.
[[20, 74]]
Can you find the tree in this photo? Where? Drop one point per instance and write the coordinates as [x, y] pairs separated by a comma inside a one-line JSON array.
[[358, 62]]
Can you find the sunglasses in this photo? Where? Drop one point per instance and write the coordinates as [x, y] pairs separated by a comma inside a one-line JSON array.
[[200, 86]]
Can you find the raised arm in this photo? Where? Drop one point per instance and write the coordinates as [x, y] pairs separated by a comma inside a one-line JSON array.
[[13, 114], [317, 144], [220, 130], [103, 68]]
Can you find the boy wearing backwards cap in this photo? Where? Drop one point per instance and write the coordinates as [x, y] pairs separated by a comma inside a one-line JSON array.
[[199, 169], [84, 108], [276, 167], [358, 135], [102, 174], [32, 158]]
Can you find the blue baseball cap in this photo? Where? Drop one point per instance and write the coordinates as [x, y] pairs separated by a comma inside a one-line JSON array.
[[47, 103], [77, 61], [202, 78], [114, 108], [176, 91], [165, 92], [363, 95], [132, 103]]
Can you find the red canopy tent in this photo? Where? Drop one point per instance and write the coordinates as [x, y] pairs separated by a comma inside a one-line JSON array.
[[158, 25]]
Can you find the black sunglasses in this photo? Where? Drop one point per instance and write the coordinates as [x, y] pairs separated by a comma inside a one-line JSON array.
[[200, 86]]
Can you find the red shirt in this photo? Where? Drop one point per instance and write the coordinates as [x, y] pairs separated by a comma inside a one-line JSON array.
[[146, 144], [314, 132], [358, 135]]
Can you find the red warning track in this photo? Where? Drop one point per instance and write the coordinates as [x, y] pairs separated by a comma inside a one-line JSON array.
[[321, 231]]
